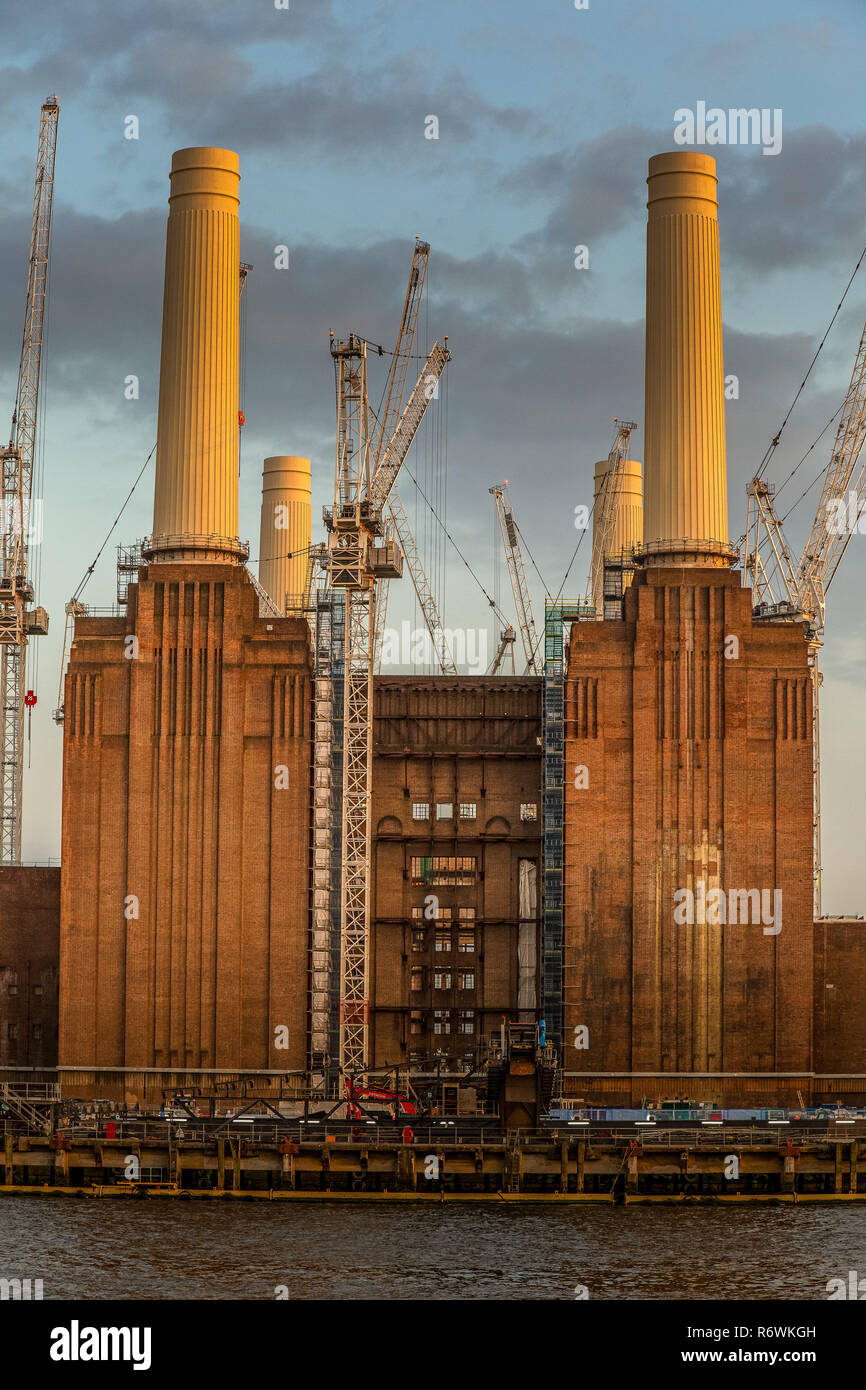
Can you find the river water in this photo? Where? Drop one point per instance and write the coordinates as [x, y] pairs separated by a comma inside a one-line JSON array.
[[86, 1249]]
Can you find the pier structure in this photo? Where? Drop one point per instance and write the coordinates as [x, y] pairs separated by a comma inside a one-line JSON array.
[[434, 1163]]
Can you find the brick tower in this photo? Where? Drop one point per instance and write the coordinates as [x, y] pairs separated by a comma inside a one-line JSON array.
[[688, 751], [184, 887]]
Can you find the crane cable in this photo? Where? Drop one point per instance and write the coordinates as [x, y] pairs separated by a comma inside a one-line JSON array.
[[774, 442], [89, 571]]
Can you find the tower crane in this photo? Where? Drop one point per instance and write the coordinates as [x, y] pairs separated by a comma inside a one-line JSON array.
[[606, 511], [796, 591], [18, 620], [395, 389], [367, 465], [517, 575]]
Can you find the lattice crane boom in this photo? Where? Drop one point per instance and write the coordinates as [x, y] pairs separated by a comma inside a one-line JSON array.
[[517, 575], [16, 588], [397, 447], [395, 388], [421, 584], [827, 542]]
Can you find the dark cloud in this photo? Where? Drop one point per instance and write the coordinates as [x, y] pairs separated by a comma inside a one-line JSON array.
[[340, 110], [804, 207], [593, 190]]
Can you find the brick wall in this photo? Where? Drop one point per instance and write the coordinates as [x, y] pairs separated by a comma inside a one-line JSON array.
[[472, 744], [184, 899], [29, 935], [697, 770], [840, 1004]]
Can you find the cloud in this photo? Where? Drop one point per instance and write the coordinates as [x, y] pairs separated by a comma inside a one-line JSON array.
[[801, 208]]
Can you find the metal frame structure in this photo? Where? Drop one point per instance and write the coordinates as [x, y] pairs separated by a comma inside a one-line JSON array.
[[557, 612], [517, 575], [507, 639], [17, 622]]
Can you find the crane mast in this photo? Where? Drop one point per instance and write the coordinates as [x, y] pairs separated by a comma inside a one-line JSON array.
[[17, 619], [517, 575], [366, 469]]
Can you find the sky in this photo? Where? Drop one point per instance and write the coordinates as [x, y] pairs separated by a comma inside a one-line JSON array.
[[547, 115]]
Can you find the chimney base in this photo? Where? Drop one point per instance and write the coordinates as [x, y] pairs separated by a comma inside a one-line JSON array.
[[192, 549]]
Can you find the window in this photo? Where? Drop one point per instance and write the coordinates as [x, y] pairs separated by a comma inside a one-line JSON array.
[[416, 1024], [467, 1021], [466, 940], [13, 989], [421, 870], [528, 810], [468, 810], [444, 810], [466, 979], [37, 1032], [439, 914], [443, 941], [37, 989], [416, 981], [458, 870], [12, 1031], [441, 979], [441, 1021], [420, 810], [419, 939], [443, 870], [466, 914]]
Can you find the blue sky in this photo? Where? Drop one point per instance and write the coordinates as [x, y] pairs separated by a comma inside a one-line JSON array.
[[547, 116]]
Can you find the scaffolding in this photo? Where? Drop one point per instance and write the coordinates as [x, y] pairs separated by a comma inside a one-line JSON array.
[[129, 561], [327, 630], [618, 574], [557, 612]]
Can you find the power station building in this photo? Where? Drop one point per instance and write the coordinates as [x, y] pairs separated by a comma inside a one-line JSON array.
[[692, 725], [625, 851]]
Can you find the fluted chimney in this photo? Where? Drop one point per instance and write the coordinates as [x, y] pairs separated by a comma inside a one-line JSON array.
[[195, 509], [685, 482], [284, 542]]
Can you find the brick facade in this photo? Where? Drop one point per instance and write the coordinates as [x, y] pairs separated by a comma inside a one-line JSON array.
[[184, 900], [469, 744], [29, 934], [698, 770]]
